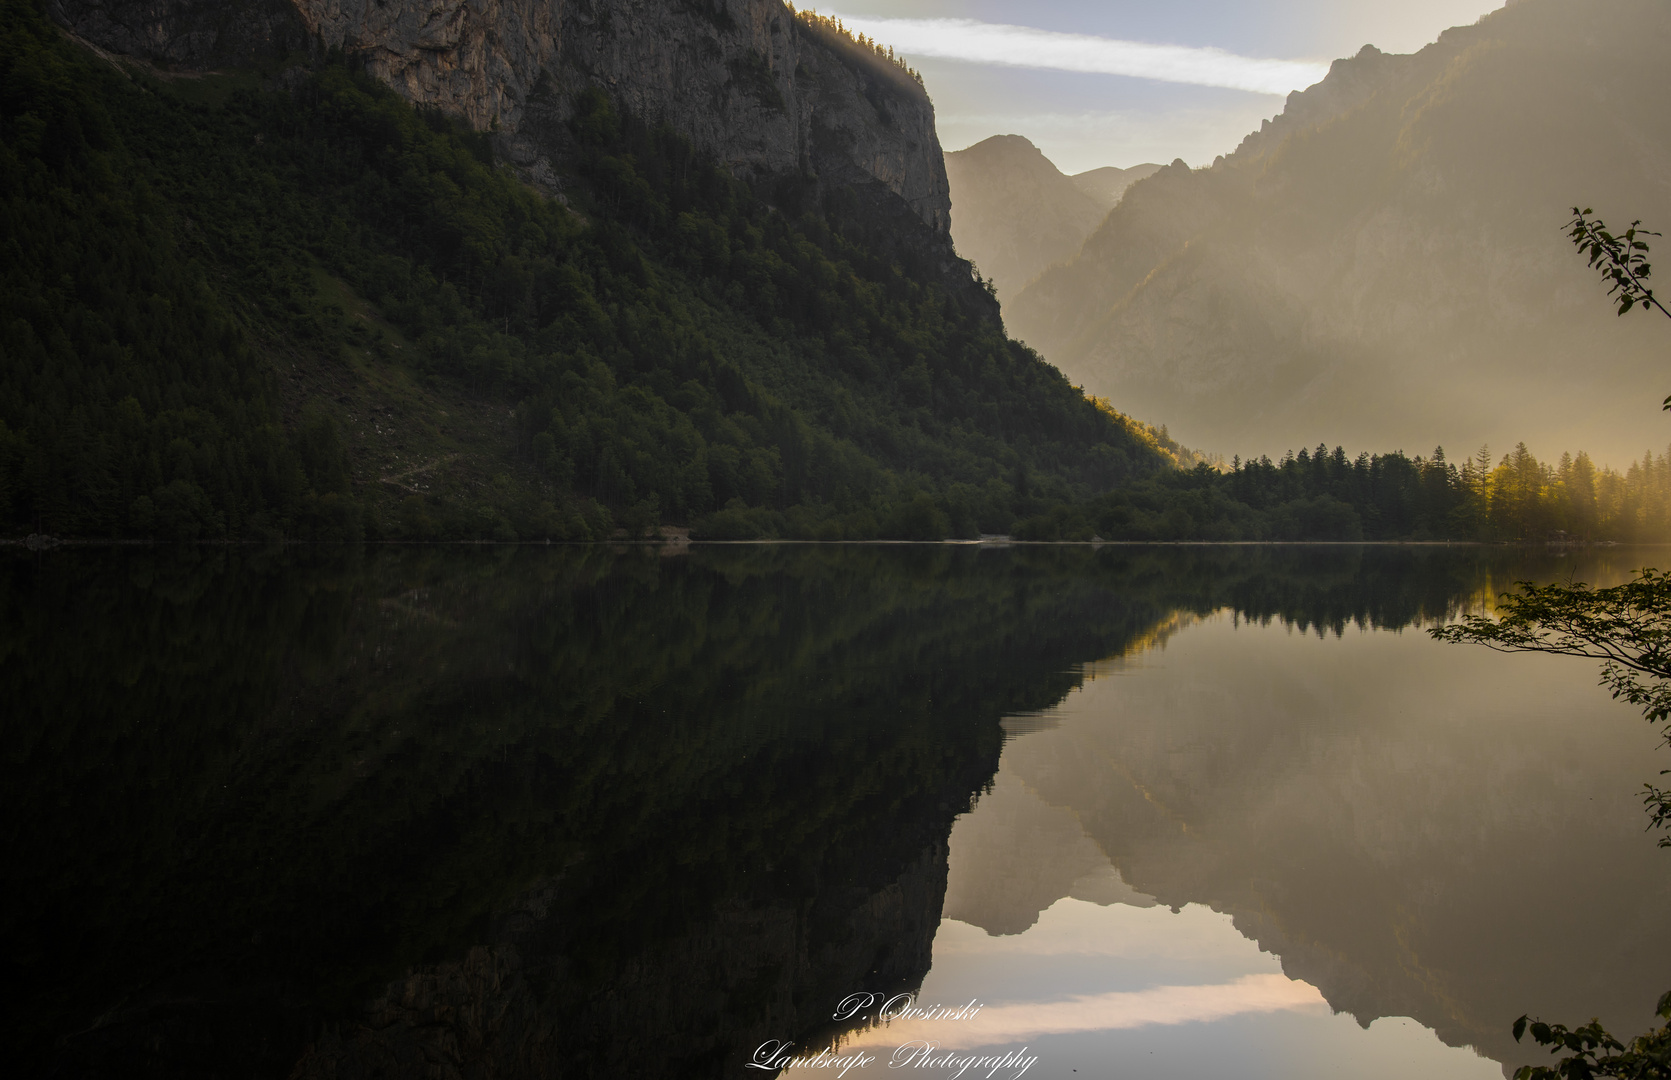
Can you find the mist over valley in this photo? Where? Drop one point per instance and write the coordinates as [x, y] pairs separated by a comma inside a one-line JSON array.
[[1382, 265]]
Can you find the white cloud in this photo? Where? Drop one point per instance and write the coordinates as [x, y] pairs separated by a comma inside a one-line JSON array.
[[1021, 46], [997, 1025]]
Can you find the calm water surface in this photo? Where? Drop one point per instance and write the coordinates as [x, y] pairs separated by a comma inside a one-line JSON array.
[[1169, 812]]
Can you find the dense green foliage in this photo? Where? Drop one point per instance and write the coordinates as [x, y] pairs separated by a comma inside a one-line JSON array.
[[127, 390], [1593, 1054], [1319, 495], [217, 300]]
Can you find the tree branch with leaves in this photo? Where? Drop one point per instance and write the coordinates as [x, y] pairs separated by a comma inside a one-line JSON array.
[[1593, 1054], [1622, 260]]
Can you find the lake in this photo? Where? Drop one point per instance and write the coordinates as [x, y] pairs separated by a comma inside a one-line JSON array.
[[1058, 811]]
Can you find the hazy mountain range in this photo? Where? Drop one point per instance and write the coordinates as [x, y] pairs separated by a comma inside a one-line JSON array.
[[1018, 213], [1382, 265]]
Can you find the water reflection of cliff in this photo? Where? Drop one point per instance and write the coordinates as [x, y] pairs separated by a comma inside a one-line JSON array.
[[1417, 830], [538, 808], [510, 812]]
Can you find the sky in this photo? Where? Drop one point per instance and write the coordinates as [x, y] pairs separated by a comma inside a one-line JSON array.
[[1121, 82]]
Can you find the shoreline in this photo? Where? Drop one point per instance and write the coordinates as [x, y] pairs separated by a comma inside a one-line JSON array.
[[38, 544]]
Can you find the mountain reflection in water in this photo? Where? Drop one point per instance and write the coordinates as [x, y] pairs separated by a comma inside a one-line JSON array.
[[531, 812], [1414, 829]]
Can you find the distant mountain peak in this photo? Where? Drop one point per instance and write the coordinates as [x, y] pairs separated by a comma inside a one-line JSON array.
[[997, 142], [1108, 183], [1009, 151], [1014, 212]]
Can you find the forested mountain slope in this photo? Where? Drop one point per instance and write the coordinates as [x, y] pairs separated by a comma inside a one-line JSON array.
[[1384, 263], [282, 300]]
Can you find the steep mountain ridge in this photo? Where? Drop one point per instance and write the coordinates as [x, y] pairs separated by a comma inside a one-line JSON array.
[[1384, 263]]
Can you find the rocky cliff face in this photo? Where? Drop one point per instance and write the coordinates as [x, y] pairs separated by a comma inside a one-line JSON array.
[[766, 93], [1383, 264]]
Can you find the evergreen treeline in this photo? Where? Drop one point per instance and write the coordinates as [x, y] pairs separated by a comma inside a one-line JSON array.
[[835, 28], [1324, 495], [234, 311]]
